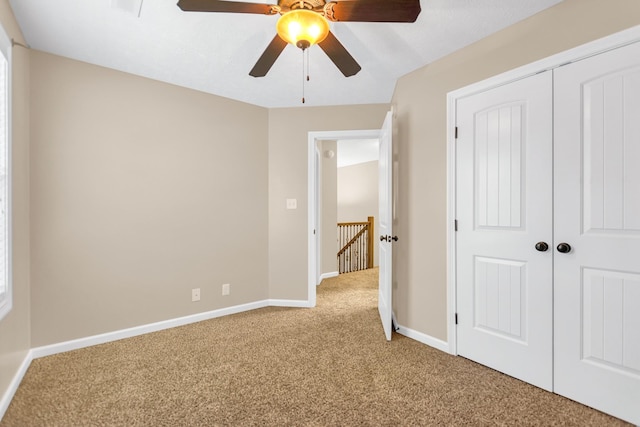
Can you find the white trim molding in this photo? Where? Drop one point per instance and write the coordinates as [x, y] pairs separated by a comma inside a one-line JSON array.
[[289, 303], [51, 349], [6, 297], [62, 347], [328, 275], [424, 339], [587, 50], [451, 225], [15, 383]]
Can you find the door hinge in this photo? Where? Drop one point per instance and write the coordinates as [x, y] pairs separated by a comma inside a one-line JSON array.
[[455, 225], [456, 318], [456, 133]]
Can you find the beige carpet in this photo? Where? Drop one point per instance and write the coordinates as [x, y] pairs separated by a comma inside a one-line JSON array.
[[327, 366]]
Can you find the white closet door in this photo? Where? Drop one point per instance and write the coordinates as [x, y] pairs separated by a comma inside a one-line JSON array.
[[597, 213], [504, 197]]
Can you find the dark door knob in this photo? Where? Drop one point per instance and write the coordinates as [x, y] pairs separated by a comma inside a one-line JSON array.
[[394, 238], [542, 246], [383, 238], [564, 248]]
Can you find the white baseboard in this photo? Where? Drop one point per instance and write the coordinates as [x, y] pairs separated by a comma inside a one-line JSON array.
[[48, 350], [289, 303], [328, 275], [51, 349], [424, 339], [15, 382]]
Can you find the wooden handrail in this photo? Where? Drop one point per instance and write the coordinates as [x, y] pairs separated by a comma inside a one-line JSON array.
[[344, 224], [350, 242], [356, 247]]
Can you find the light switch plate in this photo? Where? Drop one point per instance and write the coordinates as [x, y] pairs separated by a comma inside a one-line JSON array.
[[292, 203]]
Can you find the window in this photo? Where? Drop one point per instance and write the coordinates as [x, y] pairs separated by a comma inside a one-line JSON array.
[[5, 175]]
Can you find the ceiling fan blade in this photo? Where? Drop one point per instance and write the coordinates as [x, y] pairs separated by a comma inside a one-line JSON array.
[[268, 58], [374, 10], [225, 6], [339, 55]]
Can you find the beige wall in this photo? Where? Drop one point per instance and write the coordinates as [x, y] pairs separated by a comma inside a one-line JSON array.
[[15, 327], [288, 143], [420, 98], [358, 196], [129, 192], [140, 191], [329, 206]]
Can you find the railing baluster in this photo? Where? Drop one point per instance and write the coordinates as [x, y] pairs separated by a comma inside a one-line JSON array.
[[355, 240], [365, 237], [360, 252]]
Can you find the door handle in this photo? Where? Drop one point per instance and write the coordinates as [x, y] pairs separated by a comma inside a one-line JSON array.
[[542, 246], [564, 248], [383, 238], [394, 238]]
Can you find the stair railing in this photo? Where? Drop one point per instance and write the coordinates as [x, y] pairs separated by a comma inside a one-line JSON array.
[[356, 246]]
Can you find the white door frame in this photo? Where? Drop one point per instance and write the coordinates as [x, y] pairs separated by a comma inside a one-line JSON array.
[[314, 256], [318, 199], [596, 47]]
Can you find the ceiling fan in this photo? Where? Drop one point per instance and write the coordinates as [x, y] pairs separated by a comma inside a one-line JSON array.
[[315, 13]]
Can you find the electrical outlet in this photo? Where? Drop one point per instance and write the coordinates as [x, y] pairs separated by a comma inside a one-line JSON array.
[[195, 294], [226, 289]]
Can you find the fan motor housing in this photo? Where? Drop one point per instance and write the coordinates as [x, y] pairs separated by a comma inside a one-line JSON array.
[[316, 5]]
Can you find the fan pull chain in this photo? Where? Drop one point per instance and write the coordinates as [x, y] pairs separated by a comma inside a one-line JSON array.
[[303, 75], [305, 64]]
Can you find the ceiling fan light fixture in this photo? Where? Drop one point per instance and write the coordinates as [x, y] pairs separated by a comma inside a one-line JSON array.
[[302, 28]]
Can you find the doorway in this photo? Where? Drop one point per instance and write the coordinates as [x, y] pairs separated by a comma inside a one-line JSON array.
[[314, 208]]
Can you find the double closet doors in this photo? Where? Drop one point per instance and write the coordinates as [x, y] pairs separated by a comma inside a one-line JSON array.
[[548, 241]]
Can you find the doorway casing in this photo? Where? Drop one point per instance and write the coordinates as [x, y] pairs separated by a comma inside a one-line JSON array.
[[313, 228]]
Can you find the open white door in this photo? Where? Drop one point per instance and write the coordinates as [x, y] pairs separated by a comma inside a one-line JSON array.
[[385, 220]]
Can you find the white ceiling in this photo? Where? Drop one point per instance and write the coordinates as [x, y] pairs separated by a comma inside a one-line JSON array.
[[214, 52]]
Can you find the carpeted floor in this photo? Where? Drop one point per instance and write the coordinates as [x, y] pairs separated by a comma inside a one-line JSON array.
[[327, 366]]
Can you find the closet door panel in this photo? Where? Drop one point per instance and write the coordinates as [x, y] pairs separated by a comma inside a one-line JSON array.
[[504, 196], [597, 212]]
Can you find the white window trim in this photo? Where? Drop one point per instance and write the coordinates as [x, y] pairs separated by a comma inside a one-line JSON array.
[[6, 301]]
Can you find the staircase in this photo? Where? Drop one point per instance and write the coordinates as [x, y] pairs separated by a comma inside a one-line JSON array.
[[356, 246]]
